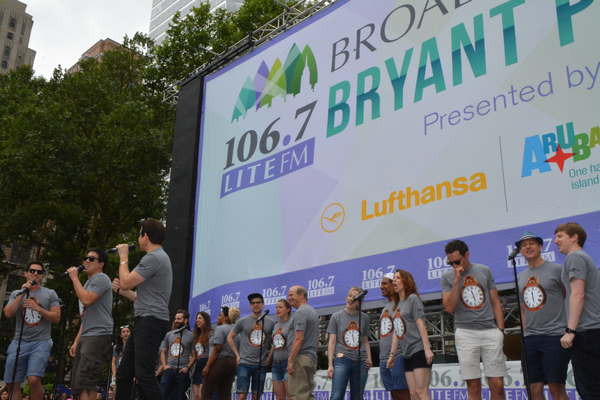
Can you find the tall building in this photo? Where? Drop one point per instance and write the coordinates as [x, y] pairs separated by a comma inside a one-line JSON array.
[[164, 10], [15, 30], [96, 51]]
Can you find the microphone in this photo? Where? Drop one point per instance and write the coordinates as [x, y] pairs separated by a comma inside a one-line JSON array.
[[25, 290], [66, 273], [360, 296], [262, 317], [114, 250], [513, 253], [180, 329]]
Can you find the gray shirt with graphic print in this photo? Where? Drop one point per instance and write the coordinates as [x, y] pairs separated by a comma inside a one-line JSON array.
[[345, 327], [405, 325], [250, 339], [36, 327]]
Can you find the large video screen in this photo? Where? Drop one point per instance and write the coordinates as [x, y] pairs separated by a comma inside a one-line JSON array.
[[364, 139]]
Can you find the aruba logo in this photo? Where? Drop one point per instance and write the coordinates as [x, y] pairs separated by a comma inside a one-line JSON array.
[[538, 146], [280, 80]]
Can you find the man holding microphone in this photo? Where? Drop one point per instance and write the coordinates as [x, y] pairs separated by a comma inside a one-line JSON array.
[[40, 310]]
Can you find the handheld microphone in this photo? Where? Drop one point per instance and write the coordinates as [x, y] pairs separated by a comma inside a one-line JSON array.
[[25, 290], [262, 317], [513, 253], [114, 250], [360, 296], [79, 269]]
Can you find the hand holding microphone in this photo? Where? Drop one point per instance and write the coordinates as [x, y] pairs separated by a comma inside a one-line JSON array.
[[26, 287], [115, 250], [73, 269]]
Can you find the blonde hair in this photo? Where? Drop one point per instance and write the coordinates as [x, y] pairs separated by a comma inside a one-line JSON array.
[[234, 314]]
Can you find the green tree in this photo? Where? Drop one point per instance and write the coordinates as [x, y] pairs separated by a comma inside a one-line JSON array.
[[83, 158]]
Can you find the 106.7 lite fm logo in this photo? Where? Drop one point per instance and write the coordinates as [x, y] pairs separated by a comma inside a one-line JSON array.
[[566, 145], [278, 81]]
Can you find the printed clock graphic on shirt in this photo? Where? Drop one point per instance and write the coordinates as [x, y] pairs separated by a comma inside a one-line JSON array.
[[386, 324], [534, 295], [399, 325], [351, 335], [32, 318], [176, 349], [255, 335], [278, 339], [472, 294], [199, 350]]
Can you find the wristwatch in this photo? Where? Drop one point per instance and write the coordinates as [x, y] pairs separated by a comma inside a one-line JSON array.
[[569, 330]]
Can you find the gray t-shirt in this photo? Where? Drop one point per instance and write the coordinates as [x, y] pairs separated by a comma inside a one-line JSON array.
[[220, 337], [280, 336], [305, 319], [250, 339], [541, 293], [386, 327], [405, 325], [474, 309], [154, 293], [96, 320], [36, 328], [578, 264], [345, 327], [203, 350], [179, 348]]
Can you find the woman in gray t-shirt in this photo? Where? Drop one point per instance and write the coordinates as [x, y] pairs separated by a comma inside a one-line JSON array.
[[279, 350], [202, 334], [410, 333], [345, 339]]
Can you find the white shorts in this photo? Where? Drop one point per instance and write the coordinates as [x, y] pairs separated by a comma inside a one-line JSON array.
[[486, 345]]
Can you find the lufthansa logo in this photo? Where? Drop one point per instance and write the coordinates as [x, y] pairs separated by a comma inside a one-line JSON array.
[[333, 217]]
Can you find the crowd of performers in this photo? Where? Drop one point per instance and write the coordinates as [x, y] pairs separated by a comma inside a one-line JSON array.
[[561, 320]]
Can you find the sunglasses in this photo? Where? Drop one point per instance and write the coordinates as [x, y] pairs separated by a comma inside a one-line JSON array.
[[140, 234], [36, 271], [455, 262], [123, 327], [91, 258]]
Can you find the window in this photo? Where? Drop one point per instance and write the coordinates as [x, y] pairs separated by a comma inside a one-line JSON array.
[[4, 65], [23, 28], [1, 18], [13, 23], [9, 35], [7, 51]]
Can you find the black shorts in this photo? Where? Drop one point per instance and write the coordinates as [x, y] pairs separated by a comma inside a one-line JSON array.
[[416, 361], [90, 354]]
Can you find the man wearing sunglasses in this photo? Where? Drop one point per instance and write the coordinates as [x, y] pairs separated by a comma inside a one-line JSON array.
[[153, 278], [92, 345], [469, 292], [40, 310]]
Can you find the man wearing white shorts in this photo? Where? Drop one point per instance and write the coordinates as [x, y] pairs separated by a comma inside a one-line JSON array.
[[469, 292]]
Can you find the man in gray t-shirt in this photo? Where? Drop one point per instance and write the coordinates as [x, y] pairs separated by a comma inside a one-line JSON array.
[[153, 279], [92, 345], [177, 357], [581, 279], [303, 339], [35, 308], [541, 296], [253, 336], [469, 292]]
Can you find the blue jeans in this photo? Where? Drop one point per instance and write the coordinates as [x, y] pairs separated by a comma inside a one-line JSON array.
[[139, 359], [245, 373], [345, 369], [32, 359], [171, 378]]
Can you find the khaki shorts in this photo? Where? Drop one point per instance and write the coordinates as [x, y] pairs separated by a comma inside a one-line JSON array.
[[91, 352], [485, 345]]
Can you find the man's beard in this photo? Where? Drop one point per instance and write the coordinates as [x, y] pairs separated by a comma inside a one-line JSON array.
[[177, 325]]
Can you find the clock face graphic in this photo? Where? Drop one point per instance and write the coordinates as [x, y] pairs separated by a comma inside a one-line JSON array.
[[199, 350], [255, 336], [385, 324], [278, 340], [472, 294], [399, 326], [534, 295], [176, 349], [352, 335], [30, 317], [81, 309]]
